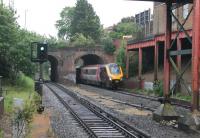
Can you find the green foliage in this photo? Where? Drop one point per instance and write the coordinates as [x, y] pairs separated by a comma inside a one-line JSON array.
[[158, 88], [64, 24], [81, 20], [24, 81], [128, 19], [15, 46], [81, 40], [133, 63], [1, 133], [85, 21], [8, 38], [183, 97], [108, 45], [125, 28], [121, 57]]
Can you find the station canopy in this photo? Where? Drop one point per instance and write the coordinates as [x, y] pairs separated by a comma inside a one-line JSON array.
[[173, 1]]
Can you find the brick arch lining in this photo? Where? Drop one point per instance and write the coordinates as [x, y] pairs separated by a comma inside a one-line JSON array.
[[54, 68], [89, 59]]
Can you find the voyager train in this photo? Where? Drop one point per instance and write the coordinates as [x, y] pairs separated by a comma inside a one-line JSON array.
[[105, 75]]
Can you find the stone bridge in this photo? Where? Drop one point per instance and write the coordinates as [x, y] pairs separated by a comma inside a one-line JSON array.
[[65, 60]]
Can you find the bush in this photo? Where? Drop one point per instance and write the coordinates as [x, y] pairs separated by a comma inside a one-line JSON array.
[[80, 40], [23, 117], [158, 88], [24, 81], [108, 45]]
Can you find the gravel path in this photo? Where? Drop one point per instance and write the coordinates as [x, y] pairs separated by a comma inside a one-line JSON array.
[[143, 122], [62, 122]]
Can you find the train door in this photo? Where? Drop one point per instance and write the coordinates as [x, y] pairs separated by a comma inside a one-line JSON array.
[[103, 76], [78, 75]]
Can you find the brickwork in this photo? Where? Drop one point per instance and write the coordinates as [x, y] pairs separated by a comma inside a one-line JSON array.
[[159, 21], [67, 57]]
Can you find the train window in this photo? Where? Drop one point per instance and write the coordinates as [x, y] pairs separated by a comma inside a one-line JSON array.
[[114, 69], [92, 71]]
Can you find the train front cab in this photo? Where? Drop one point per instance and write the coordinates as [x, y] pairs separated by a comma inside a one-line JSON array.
[[112, 75]]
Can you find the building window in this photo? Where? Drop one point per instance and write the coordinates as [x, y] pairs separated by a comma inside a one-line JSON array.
[[185, 10]]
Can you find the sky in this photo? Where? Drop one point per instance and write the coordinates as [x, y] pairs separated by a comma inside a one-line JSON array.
[[41, 15]]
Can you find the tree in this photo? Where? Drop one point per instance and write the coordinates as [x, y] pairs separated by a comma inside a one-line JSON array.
[[128, 19], [64, 24], [125, 28], [121, 56], [81, 40], [8, 38], [85, 21], [108, 46]]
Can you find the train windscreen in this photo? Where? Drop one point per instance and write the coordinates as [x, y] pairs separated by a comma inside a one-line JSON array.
[[114, 69]]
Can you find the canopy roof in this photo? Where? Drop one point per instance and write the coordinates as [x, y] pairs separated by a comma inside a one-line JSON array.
[[173, 1]]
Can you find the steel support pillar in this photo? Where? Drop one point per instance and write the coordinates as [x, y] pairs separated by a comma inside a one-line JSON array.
[[140, 65], [166, 49], [156, 61], [127, 64], [195, 55], [178, 61], [166, 111]]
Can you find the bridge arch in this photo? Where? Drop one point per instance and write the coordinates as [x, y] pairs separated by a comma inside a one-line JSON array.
[[54, 68], [88, 59]]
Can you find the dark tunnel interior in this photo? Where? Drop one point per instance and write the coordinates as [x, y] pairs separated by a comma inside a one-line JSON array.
[[54, 68], [90, 59]]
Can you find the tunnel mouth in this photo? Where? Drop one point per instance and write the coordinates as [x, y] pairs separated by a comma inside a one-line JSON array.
[[54, 68], [90, 59]]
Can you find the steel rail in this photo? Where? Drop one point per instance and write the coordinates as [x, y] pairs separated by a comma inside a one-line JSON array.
[[88, 130], [126, 129], [176, 102]]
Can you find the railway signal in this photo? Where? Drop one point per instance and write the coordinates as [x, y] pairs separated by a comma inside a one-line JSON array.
[[42, 52], [39, 52]]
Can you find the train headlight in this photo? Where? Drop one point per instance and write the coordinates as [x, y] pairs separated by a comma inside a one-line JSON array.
[[110, 78]]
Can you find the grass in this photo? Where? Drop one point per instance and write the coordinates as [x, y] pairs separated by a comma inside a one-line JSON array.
[[152, 93], [15, 92], [183, 97], [1, 133], [23, 89]]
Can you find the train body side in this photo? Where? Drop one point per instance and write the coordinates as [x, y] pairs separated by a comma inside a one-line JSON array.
[[108, 75]]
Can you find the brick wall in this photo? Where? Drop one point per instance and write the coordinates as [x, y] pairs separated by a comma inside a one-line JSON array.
[[159, 20]]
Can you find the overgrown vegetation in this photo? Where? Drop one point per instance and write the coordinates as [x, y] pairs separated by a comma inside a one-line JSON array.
[[22, 116], [1, 133], [121, 56], [158, 88]]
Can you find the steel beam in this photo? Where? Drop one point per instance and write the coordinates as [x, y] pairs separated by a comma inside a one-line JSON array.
[[156, 61], [140, 64], [167, 46], [195, 55], [178, 53]]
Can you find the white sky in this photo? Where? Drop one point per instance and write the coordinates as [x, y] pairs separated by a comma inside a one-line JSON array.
[[41, 15]]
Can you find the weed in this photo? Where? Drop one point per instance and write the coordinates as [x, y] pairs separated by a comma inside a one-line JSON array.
[[158, 88]]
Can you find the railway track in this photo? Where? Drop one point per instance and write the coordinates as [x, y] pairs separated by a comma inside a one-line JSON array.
[[95, 121], [176, 102]]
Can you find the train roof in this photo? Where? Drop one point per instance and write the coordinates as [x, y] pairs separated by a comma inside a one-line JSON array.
[[98, 65]]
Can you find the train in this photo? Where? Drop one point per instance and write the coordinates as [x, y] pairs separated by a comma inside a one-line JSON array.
[[105, 75]]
